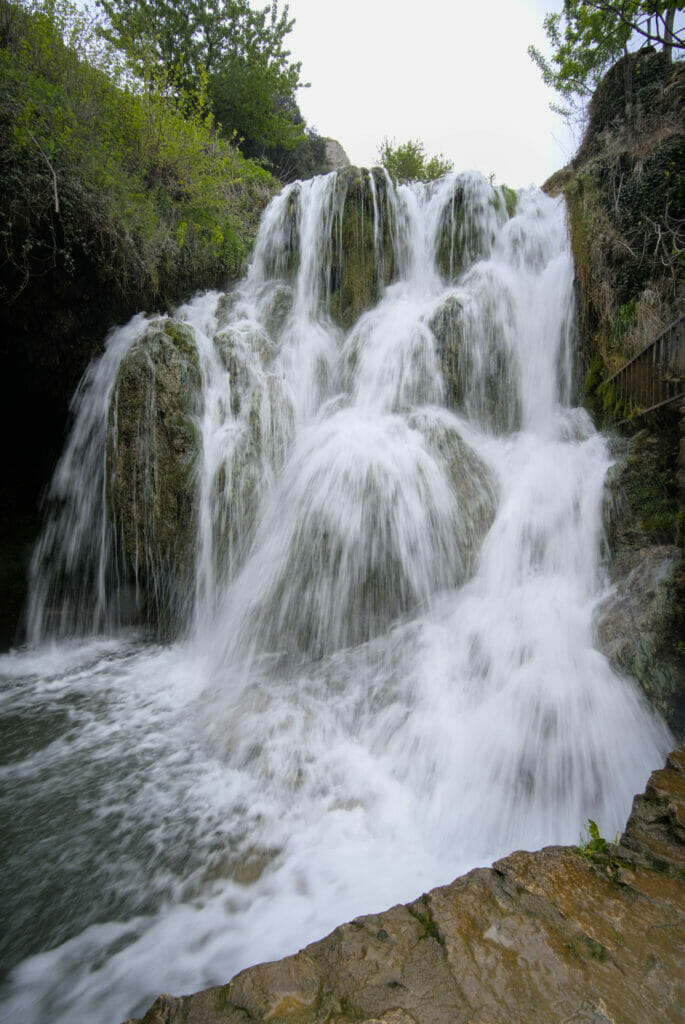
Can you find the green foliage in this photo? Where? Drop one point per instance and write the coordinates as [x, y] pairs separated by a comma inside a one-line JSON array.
[[408, 162], [286, 161], [588, 37], [510, 198], [136, 182], [592, 842], [241, 51]]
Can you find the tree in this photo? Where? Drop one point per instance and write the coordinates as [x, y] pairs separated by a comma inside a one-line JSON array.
[[588, 37], [408, 162], [240, 51]]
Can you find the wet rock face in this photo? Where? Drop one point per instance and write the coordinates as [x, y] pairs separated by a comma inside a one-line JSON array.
[[362, 250], [152, 446], [554, 936], [479, 378], [640, 624]]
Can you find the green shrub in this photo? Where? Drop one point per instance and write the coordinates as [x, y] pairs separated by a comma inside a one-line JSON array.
[[95, 166]]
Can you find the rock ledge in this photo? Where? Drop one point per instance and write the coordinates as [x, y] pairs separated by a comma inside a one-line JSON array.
[[553, 936]]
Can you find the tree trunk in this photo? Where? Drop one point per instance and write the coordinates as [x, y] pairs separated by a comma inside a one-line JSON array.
[[628, 82], [668, 34]]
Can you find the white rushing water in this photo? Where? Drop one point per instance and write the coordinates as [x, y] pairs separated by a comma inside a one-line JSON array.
[[386, 672]]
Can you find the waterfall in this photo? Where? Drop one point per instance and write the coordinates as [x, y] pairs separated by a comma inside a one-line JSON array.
[[311, 615]]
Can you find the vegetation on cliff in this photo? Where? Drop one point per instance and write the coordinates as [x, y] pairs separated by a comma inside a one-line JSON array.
[[408, 161], [625, 192], [117, 193], [134, 180], [588, 36], [235, 54]]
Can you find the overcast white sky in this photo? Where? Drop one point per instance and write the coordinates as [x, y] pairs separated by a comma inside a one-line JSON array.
[[455, 75]]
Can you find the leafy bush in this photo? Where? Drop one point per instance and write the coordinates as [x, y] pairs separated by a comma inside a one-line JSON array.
[[408, 162], [92, 166]]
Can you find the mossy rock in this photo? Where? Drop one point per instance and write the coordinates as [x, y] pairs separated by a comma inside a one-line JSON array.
[[360, 555], [641, 503], [264, 430], [244, 349], [505, 198], [225, 307], [153, 443], [362, 254], [472, 481], [642, 623], [281, 262], [465, 234], [447, 326], [481, 384], [276, 305]]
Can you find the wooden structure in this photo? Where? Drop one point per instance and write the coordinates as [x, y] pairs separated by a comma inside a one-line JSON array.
[[656, 375]]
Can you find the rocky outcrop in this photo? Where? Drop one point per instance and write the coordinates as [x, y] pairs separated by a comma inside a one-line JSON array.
[[467, 233], [362, 249], [336, 157], [477, 378], [625, 190], [641, 623], [588, 935], [152, 447]]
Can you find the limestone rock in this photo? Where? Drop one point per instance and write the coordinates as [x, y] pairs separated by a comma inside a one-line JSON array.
[[336, 157], [362, 253], [152, 445], [471, 479], [467, 233], [479, 378], [553, 936], [639, 625]]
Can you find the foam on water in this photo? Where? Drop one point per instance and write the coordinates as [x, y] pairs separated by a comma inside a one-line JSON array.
[[389, 674]]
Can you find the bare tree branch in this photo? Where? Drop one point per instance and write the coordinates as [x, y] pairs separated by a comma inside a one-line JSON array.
[[617, 10], [52, 169]]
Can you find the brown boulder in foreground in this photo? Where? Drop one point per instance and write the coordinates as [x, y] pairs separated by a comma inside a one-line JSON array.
[[553, 936]]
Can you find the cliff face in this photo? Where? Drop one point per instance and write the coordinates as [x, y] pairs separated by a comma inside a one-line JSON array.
[[625, 192], [585, 936]]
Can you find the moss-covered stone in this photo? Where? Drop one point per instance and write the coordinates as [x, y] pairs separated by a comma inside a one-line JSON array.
[[625, 193], [262, 431], [481, 383], [244, 349], [471, 479], [642, 623], [362, 257], [152, 446], [276, 307], [465, 233]]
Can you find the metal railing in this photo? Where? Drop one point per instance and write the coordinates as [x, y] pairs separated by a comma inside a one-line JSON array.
[[656, 375]]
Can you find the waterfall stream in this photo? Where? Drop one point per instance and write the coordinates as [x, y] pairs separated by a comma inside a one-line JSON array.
[[378, 668]]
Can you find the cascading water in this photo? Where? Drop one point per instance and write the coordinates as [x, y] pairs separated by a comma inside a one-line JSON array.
[[378, 536]]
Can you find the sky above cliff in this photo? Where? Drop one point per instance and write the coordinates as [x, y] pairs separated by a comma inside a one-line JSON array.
[[454, 75]]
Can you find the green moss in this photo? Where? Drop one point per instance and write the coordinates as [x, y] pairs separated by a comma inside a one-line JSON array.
[[510, 199], [147, 191], [596, 950], [350, 1011], [422, 912], [358, 270], [152, 448]]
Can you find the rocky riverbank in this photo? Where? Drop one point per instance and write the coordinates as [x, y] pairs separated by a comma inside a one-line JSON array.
[[586, 935]]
